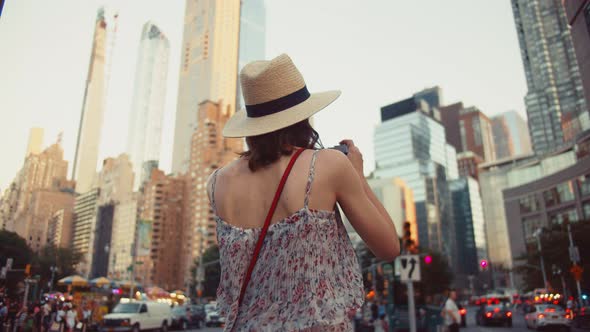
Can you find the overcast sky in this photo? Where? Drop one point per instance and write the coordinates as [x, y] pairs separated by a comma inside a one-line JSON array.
[[376, 52]]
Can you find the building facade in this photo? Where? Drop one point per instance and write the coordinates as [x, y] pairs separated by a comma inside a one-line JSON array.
[[149, 96], [555, 101], [160, 234], [469, 225], [209, 151], [35, 144], [468, 129], [123, 238], [410, 145], [511, 135], [578, 16], [208, 68], [95, 93], [61, 228], [85, 211], [252, 37], [398, 200], [45, 171]]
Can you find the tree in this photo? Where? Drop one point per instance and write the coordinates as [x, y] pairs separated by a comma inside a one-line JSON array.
[[65, 259], [554, 245], [436, 276], [15, 247], [212, 271]]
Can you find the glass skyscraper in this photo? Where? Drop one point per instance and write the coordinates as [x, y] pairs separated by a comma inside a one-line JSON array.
[[147, 109], [469, 224], [555, 102], [410, 145]]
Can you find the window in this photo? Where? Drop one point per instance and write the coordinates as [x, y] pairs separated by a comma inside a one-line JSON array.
[[587, 16], [564, 216], [586, 208], [528, 204], [563, 192], [529, 226], [476, 131], [584, 184]]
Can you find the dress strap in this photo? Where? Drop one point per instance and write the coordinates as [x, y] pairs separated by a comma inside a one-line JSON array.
[[310, 179], [212, 198]]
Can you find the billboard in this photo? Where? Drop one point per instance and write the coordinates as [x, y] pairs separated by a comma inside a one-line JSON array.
[[144, 237]]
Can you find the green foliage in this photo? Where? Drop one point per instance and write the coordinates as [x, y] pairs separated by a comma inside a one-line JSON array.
[[65, 259], [15, 247], [212, 272], [554, 245], [436, 276]]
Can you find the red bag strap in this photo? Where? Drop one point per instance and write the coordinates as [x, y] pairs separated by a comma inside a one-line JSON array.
[[271, 211]]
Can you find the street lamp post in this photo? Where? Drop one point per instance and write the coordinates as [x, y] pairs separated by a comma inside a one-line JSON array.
[[53, 269], [557, 272], [537, 235]]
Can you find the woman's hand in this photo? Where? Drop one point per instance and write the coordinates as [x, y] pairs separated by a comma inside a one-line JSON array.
[[355, 156]]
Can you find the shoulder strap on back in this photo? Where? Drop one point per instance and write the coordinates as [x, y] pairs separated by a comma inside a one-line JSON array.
[[269, 215], [310, 179]]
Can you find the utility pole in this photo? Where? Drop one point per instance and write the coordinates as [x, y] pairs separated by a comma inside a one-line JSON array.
[[575, 258], [537, 235]]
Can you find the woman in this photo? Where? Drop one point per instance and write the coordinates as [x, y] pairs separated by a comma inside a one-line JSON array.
[[305, 276]]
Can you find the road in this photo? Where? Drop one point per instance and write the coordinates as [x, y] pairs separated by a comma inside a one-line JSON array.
[[208, 329], [518, 324]]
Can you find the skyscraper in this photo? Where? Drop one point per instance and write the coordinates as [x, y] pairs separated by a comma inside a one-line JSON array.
[[410, 145], [468, 129], [469, 224], [578, 15], [35, 141], [147, 109], [208, 68], [252, 37], [87, 145], [555, 103], [511, 135]]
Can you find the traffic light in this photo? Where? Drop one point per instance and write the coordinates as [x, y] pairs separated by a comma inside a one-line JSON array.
[[427, 259], [407, 242], [483, 264], [28, 270]]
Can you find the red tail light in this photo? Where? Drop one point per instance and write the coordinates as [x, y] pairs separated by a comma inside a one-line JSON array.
[[462, 311], [496, 309], [567, 316], [509, 314], [488, 314], [540, 316]]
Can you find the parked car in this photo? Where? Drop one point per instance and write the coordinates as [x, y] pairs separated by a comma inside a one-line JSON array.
[[138, 316], [582, 317], [489, 314], [213, 318], [187, 316], [542, 316]]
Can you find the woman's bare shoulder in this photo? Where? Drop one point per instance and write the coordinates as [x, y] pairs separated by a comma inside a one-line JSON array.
[[333, 160]]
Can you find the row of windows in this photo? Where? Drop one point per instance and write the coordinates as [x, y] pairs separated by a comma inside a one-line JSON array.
[[562, 193]]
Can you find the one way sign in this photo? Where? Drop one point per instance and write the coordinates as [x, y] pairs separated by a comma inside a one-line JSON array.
[[410, 268]]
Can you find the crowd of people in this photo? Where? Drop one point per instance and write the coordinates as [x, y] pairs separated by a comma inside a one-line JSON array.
[[46, 316]]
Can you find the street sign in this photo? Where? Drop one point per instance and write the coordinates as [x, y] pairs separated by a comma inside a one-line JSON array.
[[409, 268], [574, 254], [576, 271], [397, 267], [200, 274]]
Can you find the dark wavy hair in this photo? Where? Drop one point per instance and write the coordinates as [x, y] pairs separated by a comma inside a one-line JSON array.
[[265, 149]]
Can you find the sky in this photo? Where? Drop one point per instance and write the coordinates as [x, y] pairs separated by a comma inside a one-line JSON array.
[[377, 52]]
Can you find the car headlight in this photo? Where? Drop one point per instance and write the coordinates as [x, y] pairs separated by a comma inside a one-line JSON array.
[[126, 322]]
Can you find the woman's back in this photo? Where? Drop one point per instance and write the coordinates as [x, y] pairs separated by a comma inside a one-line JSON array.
[[307, 275]]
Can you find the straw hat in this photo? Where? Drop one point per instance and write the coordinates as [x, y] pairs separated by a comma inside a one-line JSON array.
[[276, 97]]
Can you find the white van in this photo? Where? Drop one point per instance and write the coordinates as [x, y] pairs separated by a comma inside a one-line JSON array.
[[138, 316]]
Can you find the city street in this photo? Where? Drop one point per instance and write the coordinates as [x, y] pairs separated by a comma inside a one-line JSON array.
[[518, 324], [208, 329]]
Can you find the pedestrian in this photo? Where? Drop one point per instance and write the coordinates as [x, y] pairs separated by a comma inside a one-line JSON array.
[[450, 312], [71, 318], [21, 318], [60, 316], [307, 266]]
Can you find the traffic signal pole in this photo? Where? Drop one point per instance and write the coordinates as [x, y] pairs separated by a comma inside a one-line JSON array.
[[575, 258]]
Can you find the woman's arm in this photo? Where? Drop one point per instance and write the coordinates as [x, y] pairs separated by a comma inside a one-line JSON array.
[[362, 208]]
